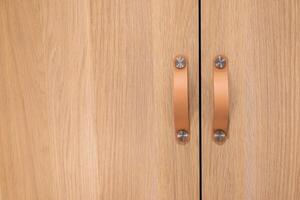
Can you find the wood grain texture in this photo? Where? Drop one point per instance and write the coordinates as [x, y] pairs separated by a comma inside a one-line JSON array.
[[86, 100], [262, 42]]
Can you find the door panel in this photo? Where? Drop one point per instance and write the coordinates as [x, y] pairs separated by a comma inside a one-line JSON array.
[[86, 99], [261, 40]]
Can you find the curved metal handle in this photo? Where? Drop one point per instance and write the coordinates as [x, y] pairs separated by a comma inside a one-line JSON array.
[[181, 100], [221, 99]]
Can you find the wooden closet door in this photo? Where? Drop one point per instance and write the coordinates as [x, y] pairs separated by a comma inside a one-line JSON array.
[[261, 40], [86, 100]]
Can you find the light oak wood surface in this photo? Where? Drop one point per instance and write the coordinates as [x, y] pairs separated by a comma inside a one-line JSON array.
[[86, 100], [260, 160]]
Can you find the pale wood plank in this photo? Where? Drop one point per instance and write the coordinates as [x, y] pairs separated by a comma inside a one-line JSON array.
[[86, 103], [261, 40]]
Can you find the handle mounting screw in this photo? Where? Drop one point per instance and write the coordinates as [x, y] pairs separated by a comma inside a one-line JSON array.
[[220, 136], [180, 62], [220, 62], [182, 136]]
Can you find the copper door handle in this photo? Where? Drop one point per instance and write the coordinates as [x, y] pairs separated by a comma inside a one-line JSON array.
[[221, 100], [181, 100]]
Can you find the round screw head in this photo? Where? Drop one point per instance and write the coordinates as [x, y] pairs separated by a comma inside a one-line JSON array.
[[220, 62], [180, 62], [220, 136], [182, 136]]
